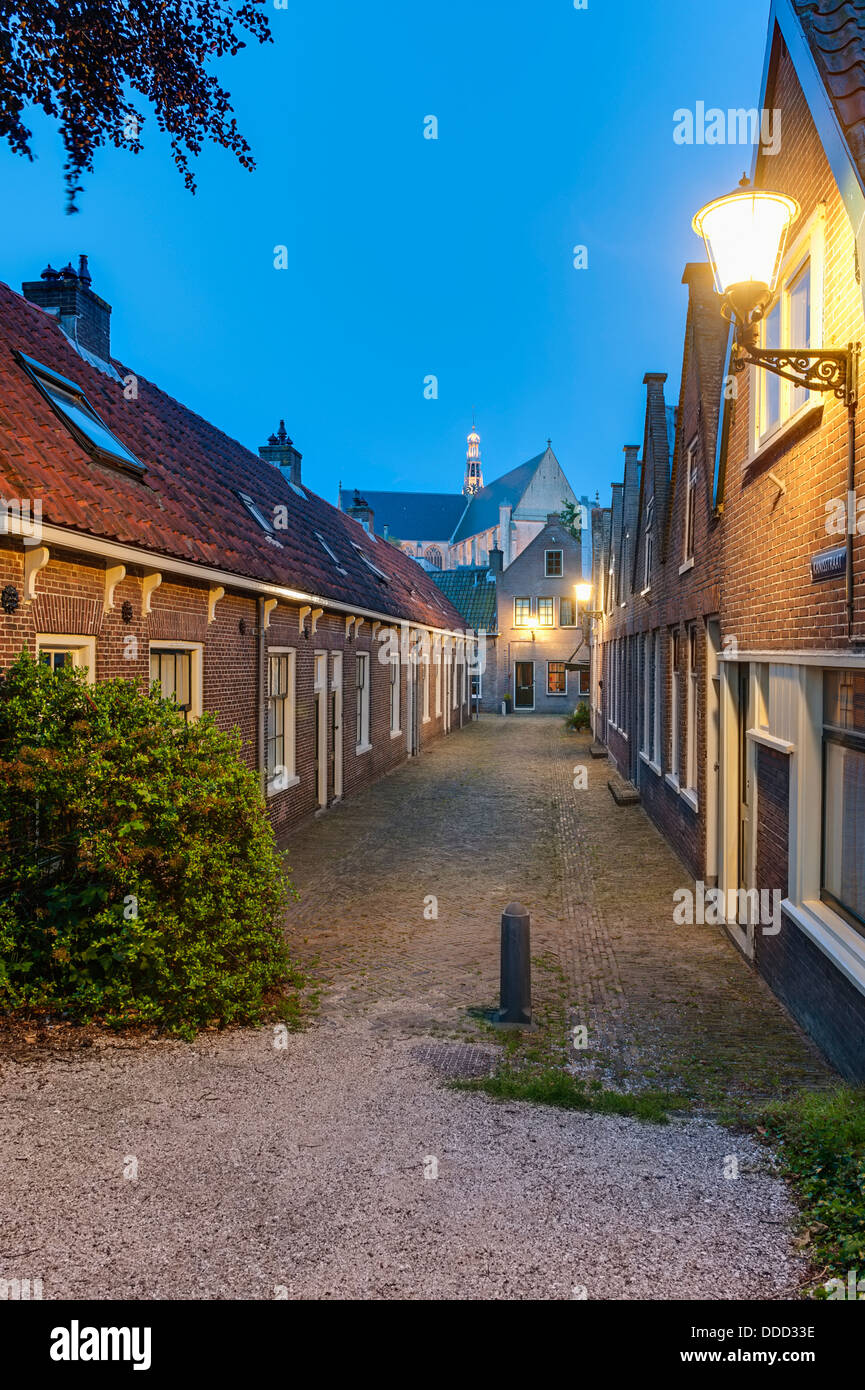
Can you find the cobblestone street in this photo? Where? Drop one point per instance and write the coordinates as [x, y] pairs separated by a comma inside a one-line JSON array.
[[492, 815]]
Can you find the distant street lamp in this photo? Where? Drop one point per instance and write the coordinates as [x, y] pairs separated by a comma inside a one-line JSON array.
[[745, 234], [584, 596]]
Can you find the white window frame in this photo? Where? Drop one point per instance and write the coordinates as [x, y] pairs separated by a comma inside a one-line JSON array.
[[362, 660], [289, 725], [690, 527], [439, 645], [561, 571], [547, 599], [658, 700], [647, 696], [522, 598], [809, 246], [675, 641], [196, 670], [427, 672], [692, 697], [81, 649], [395, 693], [557, 694]]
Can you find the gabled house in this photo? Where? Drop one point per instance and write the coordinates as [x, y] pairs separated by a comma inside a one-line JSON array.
[[139, 541]]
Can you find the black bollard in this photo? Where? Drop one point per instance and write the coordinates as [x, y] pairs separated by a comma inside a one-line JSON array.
[[516, 967]]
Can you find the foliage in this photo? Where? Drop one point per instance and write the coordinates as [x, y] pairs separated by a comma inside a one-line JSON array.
[[507, 697], [821, 1140], [579, 718], [77, 61], [571, 515], [139, 880]]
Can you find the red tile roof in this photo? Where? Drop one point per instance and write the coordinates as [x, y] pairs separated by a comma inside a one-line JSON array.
[[836, 33], [186, 505]]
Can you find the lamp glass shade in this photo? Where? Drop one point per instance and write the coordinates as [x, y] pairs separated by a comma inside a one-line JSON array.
[[584, 592], [745, 234]]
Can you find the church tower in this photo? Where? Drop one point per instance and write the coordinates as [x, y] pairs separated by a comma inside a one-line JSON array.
[[474, 479]]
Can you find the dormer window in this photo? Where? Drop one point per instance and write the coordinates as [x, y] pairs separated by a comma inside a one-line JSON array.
[[258, 515], [69, 403]]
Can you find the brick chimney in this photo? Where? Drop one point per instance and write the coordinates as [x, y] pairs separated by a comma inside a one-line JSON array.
[[280, 451], [362, 512], [83, 316]]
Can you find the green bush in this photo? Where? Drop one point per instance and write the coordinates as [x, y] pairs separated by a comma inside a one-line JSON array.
[[139, 879], [579, 718]]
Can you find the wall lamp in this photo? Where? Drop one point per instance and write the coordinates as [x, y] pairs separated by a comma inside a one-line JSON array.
[[745, 233]]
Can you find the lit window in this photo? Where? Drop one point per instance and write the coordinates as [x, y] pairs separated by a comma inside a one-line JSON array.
[[557, 678], [789, 323], [70, 403], [522, 612], [545, 612], [843, 886], [554, 564]]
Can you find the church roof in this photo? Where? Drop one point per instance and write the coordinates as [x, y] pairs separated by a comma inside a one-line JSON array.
[[482, 513], [471, 590], [411, 516]]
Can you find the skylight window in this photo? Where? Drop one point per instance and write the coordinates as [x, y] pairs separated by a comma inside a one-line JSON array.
[[72, 406], [258, 515], [368, 562], [296, 488], [324, 545]]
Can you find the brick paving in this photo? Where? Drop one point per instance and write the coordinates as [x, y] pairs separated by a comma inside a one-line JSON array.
[[492, 814]]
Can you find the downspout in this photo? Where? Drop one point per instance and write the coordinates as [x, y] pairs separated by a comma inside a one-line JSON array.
[[261, 698], [853, 387]]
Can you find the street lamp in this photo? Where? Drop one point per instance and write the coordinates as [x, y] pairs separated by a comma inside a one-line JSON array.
[[745, 234]]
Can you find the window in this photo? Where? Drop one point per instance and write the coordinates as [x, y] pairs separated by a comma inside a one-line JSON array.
[[258, 515], [172, 670], [367, 561], [843, 883], [691, 713], [645, 745], [57, 652], [280, 759], [477, 687], [557, 678], [434, 555], [657, 700], [426, 671], [72, 406], [326, 548], [649, 545], [584, 680], [522, 612], [690, 502], [554, 566], [567, 612], [675, 705], [394, 693], [545, 612], [438, 661], [362, 701], [791, 321]]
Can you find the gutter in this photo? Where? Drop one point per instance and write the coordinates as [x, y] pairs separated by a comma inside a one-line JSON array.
[[60, 538]]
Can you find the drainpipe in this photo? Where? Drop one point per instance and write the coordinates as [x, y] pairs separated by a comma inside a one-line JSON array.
[[851, 499], [261, 698]]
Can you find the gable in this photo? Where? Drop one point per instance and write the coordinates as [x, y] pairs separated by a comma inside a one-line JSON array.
[[547, 490]]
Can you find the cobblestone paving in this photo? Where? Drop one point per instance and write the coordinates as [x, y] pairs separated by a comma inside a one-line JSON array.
[[490, 815]]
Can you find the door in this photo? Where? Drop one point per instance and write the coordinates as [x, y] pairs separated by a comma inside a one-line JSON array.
[[320, 729], [524, 685], [713, 749], [448, 673], [738, 919]]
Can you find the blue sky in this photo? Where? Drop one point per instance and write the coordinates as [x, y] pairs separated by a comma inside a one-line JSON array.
[[409, 257]]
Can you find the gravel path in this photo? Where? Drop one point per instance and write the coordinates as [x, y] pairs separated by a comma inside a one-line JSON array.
[[300, 1173], [340, 1165]]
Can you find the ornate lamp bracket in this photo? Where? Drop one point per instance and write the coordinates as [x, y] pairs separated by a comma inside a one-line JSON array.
[[835, 370]]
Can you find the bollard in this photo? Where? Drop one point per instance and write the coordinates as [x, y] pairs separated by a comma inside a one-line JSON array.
[[516, 968]]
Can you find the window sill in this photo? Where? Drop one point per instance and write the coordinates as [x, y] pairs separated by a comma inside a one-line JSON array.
[[644, 593], [426, 719], [834, 937], [396, 733], [362, 748], [688, 565], [672, 781], [557, 695], [690, 796], [286, 786], [769, 442], [648, 761], [779, 745]]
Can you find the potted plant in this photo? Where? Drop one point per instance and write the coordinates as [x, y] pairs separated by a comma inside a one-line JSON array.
[[507, 700]]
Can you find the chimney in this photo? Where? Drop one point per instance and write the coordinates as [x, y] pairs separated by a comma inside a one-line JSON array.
[[280, 451], [554, 518], [83, 316], [495, 560], [362, 512]]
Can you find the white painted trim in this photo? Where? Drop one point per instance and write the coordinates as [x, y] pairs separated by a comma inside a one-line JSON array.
[[780, 745], [835, 659], [196, 673], [83, 649], [835, 937]]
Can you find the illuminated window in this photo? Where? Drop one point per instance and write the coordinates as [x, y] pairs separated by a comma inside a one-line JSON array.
[[522, 612], [545, 612], [557, 678]]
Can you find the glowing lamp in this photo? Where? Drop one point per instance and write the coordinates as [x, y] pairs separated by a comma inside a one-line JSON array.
[[584, 592], [745, 234]]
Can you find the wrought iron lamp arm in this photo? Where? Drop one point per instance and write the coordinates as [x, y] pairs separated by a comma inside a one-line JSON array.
[[828, 369]]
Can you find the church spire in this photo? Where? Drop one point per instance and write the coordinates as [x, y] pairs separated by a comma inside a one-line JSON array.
[[474, 479]]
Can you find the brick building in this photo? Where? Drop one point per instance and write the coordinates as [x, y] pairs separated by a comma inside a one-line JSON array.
[[729, 680], [139, 541]]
